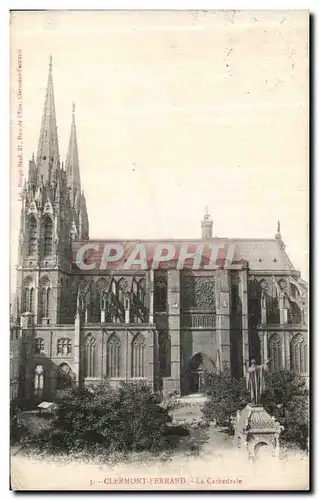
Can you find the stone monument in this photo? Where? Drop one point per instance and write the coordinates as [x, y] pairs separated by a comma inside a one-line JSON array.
[[253, 426]]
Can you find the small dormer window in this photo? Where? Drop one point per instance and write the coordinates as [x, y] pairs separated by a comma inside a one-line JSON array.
[[275, 260], [259, 260], [44, 157]]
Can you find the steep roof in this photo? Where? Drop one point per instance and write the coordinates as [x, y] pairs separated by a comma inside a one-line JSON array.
[[260, 254]]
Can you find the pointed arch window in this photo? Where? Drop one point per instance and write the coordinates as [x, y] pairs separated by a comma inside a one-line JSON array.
[[275, 352], [64, 347], [272, 305], [31, 299], [298, 354], [141, 291], [138, 355], [64, 377], [39, 346], [26, 299], [121, 289], [47, 235], [90, 361], [33, 237], [28, 296], [45, 301], [38, 381], [160, 293], [113, 356]]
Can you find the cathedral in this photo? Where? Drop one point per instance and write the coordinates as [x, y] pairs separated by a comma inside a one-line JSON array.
[[72, 327]]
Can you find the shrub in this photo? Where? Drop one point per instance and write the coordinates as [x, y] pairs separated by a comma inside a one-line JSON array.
[[121, 419], [18, 431], [226, 395], [286, 398]]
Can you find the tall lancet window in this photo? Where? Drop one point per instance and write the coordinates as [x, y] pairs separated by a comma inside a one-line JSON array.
[[275, 352], [141, 291], [33, 237], [138, 351], [47, 235], [31, 308], [26, 300], [113, 356], [90, 361], [298, 354], [38, 381], [45, 297]]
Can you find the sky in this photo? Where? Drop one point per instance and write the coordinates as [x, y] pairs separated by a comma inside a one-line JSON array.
[[174, 110]]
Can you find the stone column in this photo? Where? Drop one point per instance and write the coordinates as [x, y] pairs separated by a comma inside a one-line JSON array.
[[102, 315], [36, 299], [150, 357], [53, 312], [287, 350], [285, 343], [263, 345], [151, 296], [173, 298], [244, 301], [127, 305], [77, 348], [222, 318], [282, 309], [100, 361]]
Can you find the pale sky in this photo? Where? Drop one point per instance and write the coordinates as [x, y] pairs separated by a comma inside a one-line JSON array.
[[174, 110]]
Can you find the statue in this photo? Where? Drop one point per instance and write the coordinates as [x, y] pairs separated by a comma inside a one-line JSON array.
[[255, 382]]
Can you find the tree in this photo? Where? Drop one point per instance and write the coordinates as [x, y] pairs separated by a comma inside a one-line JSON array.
[[123, 419]]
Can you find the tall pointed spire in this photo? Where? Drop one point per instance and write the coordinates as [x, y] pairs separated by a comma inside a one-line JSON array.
[[48, 158], [72, 162]]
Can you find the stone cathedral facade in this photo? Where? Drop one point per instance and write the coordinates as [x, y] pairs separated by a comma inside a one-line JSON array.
[[166, 327]]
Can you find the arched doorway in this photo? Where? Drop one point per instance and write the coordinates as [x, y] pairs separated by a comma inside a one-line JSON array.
[[64, 377], [197, 367]]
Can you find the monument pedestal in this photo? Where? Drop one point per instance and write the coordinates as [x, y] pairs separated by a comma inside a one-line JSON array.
[[254, 428]]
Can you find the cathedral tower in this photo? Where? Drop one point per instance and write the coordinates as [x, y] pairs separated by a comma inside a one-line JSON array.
[[52, 204]]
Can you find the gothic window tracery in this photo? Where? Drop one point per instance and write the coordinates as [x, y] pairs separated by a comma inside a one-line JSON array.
[[197, 292], [33, 237], [141, 291], [90, 361], [275, 347], [64, 377], [160, 296], [64, 347], [39, 346], [272, 305], [113, 356], [138, 351], [38, 381], [165, 353], [28, 295], [48, 233], [45, 301], [298, 354]]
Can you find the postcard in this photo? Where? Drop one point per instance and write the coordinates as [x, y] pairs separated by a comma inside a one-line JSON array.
[[159, 250]]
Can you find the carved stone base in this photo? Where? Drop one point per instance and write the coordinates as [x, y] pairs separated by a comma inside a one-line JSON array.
[[254, 428]]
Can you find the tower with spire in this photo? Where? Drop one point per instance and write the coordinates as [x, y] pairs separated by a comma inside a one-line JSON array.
[[80, 223], [207, 225], [53, 212]]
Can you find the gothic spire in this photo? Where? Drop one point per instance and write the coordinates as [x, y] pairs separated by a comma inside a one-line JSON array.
[[72, 163], [48, 159]]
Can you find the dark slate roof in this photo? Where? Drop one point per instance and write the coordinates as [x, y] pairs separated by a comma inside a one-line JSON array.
[[261, 254]]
